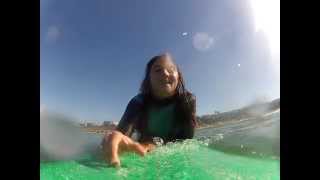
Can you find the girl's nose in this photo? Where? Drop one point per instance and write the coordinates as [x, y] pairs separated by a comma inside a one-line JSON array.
[[165, 73]]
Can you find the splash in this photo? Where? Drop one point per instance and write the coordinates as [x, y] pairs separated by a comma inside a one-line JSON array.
[[60, 138]]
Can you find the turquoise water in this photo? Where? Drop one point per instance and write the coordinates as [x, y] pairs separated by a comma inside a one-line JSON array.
[[243, 150]]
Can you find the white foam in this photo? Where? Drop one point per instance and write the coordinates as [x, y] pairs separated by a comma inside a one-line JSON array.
[[270, 113]]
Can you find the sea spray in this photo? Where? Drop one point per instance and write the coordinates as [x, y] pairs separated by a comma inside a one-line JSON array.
[[60, 137]]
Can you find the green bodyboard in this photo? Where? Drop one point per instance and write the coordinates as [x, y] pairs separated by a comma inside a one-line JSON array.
[[191, 159]]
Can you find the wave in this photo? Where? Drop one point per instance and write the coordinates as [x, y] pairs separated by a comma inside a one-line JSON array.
[[258, 136]]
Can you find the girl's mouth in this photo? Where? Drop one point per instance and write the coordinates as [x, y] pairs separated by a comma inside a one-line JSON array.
[[166, 82]]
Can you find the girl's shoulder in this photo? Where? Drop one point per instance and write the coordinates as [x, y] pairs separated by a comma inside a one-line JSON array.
[[190, 97], [139, 98], [187, 101]]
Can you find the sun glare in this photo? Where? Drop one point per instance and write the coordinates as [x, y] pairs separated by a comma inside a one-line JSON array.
[[267, 19]]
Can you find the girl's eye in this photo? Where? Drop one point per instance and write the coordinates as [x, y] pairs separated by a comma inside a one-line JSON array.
[[158, 70], [171, 70]]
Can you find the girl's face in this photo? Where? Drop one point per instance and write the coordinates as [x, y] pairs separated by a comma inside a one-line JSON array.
[[164, 78]]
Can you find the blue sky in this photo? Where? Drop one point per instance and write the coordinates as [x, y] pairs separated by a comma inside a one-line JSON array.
[[93, 53]]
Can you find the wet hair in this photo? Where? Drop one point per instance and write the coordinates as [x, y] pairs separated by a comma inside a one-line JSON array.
[[186, 100]]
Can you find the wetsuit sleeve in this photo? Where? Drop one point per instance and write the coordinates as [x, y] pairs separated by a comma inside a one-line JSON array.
[[130, 117], [188, 128]]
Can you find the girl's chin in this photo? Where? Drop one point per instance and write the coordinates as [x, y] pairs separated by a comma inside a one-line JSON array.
[[165, 94], [167, 90]]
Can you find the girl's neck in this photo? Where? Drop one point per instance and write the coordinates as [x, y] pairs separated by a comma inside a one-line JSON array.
[[163, 100]]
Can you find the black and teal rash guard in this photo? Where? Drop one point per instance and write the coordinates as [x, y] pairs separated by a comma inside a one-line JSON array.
[[158, 118]]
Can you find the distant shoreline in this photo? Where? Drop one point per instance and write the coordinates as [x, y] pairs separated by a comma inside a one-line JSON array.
[[101, 130], [104, 130]]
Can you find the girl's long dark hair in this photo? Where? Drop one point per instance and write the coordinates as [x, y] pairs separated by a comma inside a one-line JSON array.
[[186, 100]]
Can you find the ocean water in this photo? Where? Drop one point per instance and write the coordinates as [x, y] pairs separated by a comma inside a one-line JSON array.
[[248, 149], [251, 137]]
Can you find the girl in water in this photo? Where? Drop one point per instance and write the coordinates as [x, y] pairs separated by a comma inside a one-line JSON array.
[[163, 111]]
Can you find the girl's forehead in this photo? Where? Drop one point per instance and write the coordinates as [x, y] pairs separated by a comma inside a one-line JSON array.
[[164, 62]]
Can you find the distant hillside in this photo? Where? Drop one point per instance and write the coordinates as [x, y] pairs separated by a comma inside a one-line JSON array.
[[250, 111]]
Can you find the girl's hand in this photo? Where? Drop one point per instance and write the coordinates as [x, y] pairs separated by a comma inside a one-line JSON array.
[[116, 143]]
